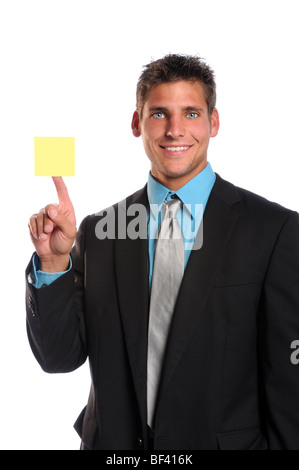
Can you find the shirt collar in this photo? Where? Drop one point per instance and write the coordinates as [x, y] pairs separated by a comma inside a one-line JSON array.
[[196, 191]]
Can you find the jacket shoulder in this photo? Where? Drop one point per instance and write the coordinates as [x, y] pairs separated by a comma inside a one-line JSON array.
[[250, 201], [138, 197]]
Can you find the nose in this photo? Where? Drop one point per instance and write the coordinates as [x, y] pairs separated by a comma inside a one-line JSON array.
[[175, 127]]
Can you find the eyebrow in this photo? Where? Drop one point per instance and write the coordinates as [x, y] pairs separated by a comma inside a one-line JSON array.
[[186, 108]]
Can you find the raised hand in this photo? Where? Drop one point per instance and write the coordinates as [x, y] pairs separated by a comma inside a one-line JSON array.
[[53, 230]]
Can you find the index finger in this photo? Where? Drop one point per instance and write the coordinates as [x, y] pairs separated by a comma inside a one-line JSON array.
[[62, 192]]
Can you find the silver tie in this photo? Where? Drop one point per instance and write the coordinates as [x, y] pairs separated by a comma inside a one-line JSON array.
[[167, 276]]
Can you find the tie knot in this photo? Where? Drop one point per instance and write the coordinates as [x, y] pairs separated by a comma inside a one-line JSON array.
[[172, 208]]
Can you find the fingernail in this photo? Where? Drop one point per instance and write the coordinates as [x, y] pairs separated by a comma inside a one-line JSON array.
[[52, 213], [43, 236], [47, 228]]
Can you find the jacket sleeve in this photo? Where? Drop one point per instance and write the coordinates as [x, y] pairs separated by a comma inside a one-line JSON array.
[[55, 315], [278, 328]]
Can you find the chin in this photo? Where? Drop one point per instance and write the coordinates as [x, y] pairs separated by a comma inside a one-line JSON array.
[[177, 173]]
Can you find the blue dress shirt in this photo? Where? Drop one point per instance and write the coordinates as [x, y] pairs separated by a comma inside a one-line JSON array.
[[194, 196], [40, 278]]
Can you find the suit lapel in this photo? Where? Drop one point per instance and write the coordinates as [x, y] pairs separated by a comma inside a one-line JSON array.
[[132, 285], [219, 221]]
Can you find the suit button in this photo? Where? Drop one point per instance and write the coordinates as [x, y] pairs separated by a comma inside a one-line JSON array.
[[139, 441]]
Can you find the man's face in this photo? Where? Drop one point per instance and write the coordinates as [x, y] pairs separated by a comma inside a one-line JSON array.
[[176, 130]]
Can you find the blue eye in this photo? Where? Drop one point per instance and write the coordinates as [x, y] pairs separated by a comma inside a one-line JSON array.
[[192, 115], [158, 115]]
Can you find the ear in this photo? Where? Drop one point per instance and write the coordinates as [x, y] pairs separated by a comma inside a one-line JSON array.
[[135, 125], [215, 123]]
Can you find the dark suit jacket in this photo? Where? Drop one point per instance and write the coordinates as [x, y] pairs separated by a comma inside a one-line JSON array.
[[228, 381]]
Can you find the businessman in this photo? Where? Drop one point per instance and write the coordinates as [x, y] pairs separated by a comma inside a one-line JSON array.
[[188, 310]]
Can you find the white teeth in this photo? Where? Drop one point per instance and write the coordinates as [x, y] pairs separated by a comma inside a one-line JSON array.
[[176, 149]]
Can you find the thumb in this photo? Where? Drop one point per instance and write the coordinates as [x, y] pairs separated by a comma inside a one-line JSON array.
[[61, 221]]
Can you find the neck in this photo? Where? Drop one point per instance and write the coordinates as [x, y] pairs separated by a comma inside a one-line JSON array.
[[178, 181]]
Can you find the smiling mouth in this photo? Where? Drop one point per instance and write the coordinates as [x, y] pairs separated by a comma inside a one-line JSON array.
[[176, 149]]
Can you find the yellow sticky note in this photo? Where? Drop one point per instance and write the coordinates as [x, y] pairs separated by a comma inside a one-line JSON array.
[[54, 156]]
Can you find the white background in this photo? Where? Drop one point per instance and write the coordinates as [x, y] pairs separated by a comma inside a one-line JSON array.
[[69, 68]]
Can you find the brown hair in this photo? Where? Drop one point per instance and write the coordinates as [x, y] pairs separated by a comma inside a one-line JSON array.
[[175, 67]]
